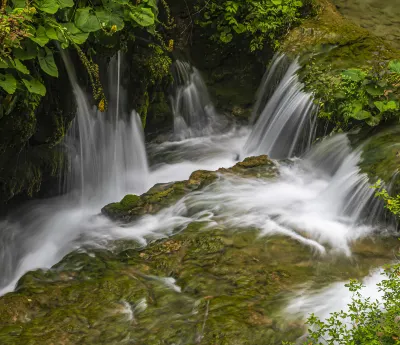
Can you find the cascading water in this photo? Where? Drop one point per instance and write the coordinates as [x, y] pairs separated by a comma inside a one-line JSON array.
[[286, 126], [194, 113], [108, 160], [110, 156], [270, 81]]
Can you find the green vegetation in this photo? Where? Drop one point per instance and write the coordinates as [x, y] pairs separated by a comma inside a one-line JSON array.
[[29, 33], [366, 321], [356, 96], [258, 21]]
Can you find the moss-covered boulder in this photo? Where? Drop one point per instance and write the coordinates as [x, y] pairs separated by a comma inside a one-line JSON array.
[[164, 195]]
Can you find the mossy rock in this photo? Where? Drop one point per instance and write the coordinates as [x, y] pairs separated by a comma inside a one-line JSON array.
[[163, 195], [202, 286], [380, 157], [346, 45]]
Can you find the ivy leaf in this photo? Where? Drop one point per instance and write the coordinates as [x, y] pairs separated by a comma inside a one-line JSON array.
[[77, 35], [86, 21], [143, 16], [51, 33], [40, 36], [35, 86], [8, 83], [110, 19], [48, 6], [65, 3], [394, 66], [354, 74], [27, 51], [47, 63], [19, 66], [277, 2]]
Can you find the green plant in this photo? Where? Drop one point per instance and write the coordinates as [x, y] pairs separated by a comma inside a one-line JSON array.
[[391, 203], [259, 20], [367, 322], [29, 31], [356, 96]]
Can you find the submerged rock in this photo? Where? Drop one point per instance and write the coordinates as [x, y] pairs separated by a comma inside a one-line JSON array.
[[164, 195]]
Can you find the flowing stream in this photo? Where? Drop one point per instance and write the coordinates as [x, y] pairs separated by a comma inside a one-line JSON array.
[[320, 198]]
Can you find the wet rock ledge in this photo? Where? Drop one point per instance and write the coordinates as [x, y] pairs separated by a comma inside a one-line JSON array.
[[166, 194]]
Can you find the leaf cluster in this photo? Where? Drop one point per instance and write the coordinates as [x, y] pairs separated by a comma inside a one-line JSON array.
[[356, 96], [31, 32], [366, 321], [260, 21]]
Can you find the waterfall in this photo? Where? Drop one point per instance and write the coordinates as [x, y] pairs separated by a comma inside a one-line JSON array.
[[270, 81], [194, 113], [349, 192], [286, 125], [109, 156], [108, 160]]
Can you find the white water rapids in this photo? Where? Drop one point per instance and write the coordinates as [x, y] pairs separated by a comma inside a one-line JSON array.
[[321, 199]]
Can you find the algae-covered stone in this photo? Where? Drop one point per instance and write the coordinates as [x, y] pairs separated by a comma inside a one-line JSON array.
[[165, 195]]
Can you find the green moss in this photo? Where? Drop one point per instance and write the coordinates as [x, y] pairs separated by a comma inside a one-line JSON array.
[[380, 157]]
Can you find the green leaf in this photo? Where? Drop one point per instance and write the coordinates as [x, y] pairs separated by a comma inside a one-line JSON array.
[[277, 2], [48, 6], [19, 3], [86, 21], [76, 35], [384, 106], [394, 66], [226, 38], [65, 3], [51, 33], [3, 64], [240, 28], [27, 51], [152, 3], [361, 115], [19, 66], [8, 83], [47, 63], [354, 74], [35, 86], [143, 16], [40, 36], [356, 107], [110, 19], [373, 121], [374, 90]]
